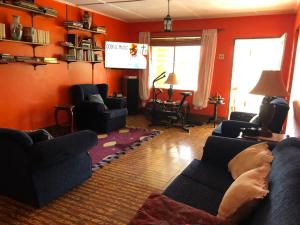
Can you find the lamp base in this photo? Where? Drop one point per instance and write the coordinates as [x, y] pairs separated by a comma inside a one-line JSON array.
[[170, 93]]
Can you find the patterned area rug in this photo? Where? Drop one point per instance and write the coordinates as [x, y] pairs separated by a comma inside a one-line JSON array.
[[110, 146]]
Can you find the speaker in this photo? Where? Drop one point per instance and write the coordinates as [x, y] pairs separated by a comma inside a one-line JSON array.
[[130, 89]]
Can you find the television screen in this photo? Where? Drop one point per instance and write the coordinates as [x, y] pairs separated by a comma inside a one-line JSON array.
[[125, 55]]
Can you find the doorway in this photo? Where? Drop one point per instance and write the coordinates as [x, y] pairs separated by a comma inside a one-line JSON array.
[[251, 57]]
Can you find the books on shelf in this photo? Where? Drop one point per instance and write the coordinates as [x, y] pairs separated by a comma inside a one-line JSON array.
[[7, 57], [2, 31], [49, 11], [99, 29], [68, 58], [26, 4], [41, 37], [50, 60], [74, 24]]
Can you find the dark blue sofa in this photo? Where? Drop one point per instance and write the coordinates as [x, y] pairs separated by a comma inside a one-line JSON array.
[[92, 115], [203, 183], [37, 171]]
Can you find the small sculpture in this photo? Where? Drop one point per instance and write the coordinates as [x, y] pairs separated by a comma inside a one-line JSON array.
[[86, 20], [16, 29]]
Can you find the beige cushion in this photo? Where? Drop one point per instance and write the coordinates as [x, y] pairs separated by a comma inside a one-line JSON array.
[[252, 157], [244, 194]]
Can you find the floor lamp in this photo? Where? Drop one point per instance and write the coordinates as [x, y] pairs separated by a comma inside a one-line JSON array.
[[269, 85]]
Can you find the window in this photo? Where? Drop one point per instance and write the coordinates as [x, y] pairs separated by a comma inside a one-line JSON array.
[[186, 65]]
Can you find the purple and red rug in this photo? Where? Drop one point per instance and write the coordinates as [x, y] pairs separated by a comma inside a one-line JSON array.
[[110, 146]]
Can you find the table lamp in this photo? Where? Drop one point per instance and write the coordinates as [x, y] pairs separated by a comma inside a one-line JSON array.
[[270, 85], [172, 81]]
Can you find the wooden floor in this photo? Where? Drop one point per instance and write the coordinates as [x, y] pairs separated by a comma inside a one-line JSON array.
[[115, 192]]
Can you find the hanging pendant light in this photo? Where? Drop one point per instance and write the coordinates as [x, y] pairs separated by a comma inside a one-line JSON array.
[[168, 20]]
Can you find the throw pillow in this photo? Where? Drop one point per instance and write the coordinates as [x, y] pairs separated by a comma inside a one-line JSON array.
[[97, 98], [39, 135], [250, 158], [159, 209], [244, 194]]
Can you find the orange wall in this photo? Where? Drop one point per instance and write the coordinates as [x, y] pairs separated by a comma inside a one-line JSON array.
[[28, 96], [234, 28]]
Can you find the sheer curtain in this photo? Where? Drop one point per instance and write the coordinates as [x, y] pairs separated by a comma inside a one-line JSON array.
[[144, 91], [206, 68]]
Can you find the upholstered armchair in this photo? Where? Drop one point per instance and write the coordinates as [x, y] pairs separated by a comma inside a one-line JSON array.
[[95, 111], [238, 120], [36, 168]]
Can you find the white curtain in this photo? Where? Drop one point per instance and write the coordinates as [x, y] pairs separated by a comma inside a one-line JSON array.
[[144, 91], [206, 68]]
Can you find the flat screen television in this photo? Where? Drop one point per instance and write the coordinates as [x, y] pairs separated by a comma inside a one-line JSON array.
[[122, 55]]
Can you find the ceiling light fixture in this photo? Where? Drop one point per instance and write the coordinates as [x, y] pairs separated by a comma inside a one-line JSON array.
[[168, 20]]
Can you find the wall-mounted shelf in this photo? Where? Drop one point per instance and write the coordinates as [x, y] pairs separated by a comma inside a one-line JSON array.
[[70, 27], [32, 11], [83, 48], [23, 42], [86, 61]]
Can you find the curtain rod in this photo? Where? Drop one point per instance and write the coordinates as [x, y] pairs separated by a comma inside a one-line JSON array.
[[176, 31]]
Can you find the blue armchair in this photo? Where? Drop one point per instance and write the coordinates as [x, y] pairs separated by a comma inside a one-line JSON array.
[[35, 170], [95, 116], [238, 120]]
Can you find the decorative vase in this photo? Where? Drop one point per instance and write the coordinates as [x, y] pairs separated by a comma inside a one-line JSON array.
[[16, 29], [86, 20]]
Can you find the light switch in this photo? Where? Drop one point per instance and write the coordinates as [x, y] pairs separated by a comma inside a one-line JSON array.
[[221, 56]]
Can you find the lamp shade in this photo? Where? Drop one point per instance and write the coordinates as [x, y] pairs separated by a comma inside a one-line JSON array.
[[171, 79], [270, 84]]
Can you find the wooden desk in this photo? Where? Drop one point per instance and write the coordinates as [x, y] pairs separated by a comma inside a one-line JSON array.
[[70, 110]]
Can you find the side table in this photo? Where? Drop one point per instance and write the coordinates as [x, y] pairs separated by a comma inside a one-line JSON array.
[[216, 102], [70, 110]]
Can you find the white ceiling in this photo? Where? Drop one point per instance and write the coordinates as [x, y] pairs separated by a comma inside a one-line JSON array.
[[153, 10]]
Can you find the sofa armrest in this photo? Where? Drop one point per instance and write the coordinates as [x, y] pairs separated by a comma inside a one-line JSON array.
[[49, 152], [220, 150], [91, 107], [115, 103], [242, 116], [232, 128], [16, 136]]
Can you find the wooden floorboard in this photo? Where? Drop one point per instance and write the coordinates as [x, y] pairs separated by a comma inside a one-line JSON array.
[[115, 192]]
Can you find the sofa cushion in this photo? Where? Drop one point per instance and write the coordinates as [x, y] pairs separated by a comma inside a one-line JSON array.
[[208, 174], [98, 99], [282, 205], [186, 190], [252, 157], [241, 197]]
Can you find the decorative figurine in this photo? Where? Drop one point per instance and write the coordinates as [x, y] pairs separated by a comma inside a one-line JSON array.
[[16, 29], [86, 20]]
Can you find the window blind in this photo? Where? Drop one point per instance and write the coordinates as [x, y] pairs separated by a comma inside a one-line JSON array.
[[176, 41]]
